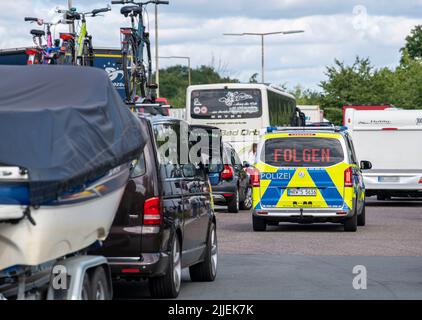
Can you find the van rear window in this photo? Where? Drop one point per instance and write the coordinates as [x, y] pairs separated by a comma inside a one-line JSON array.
[[302, 152]]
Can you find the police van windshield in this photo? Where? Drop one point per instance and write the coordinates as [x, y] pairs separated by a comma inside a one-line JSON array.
[[226, 104], [302, 152]]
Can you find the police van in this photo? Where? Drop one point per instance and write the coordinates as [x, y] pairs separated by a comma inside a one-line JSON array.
[[308, 175]]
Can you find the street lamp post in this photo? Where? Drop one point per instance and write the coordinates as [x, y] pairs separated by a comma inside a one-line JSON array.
[[71, 26], [188, 62], [263, 35]]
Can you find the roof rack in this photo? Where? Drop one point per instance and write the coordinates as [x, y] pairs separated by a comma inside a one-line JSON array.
[[281, 129]]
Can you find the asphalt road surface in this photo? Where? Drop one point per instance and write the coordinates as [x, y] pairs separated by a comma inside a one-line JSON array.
[[312, 261]]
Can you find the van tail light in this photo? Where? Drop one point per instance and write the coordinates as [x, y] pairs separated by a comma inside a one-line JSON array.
[[420, 180], [227, 173], [255, 177], [152, 212], [348, 178]]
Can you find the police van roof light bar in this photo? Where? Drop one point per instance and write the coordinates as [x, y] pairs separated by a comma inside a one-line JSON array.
[[333, 129]]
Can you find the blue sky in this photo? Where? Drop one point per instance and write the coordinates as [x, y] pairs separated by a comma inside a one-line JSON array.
[[333, 29]]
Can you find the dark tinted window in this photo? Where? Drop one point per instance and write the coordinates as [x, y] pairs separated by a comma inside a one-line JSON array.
[[226, 104], [302, 152], [282, 110]]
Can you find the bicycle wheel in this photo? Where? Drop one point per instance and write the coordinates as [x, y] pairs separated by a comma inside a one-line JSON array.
[[130, 68], [87, 58], [146, 69]]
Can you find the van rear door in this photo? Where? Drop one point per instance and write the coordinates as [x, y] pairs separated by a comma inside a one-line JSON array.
[[302, 171]]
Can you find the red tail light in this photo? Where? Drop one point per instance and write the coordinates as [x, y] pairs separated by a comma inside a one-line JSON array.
[[31, 52], [152, 211], [420, 180], [227, 173], [255, 177], [348, 178]]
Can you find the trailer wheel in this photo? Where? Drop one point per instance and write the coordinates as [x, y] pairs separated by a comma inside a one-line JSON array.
[[86, 289], [99, 285]]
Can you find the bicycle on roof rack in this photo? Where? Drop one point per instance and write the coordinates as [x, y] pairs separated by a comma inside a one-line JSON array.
[[136, 51], [78, 49], [43, 54]]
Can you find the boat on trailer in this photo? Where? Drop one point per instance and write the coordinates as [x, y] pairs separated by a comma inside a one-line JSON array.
[[66, 150]]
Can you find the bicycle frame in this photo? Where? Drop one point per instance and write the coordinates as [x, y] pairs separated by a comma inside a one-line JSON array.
[[82, 36]]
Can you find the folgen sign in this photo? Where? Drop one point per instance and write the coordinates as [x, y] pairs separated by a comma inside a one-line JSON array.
[[302, 156]]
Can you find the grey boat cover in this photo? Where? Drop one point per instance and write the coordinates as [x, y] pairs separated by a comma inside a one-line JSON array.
[[66, 125]]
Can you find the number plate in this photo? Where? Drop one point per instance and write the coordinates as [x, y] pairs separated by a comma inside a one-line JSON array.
[[304, 192], [389, 179]]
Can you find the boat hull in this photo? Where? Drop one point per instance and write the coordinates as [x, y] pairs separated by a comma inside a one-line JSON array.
[[60, 229]]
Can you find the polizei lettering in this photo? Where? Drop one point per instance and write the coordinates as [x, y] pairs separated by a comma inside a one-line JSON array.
[[276, 176]]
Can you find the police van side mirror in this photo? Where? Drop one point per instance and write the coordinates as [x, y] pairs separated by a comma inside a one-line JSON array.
[[365, 165]]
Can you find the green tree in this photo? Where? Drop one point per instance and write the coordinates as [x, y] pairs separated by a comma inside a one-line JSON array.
[[413, 45], [174, 82]]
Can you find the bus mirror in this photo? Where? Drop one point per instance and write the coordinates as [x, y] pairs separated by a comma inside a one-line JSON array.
[[365, 165]]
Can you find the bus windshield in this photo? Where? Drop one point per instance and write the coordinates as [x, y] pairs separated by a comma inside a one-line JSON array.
[[226, 104]]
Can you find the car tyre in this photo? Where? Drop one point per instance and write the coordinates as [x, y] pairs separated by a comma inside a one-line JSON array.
[[246, 204], [233, 205], [168, 286], [258, 224], [99, 286], [351, 224], [362, 218], [206, 271]]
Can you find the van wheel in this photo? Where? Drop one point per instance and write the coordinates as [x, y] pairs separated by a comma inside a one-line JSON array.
[[206, 271], [258, 224], [362, 218], [247, 203], [99, 285], [351, 224], [233, 205], [168, 286]]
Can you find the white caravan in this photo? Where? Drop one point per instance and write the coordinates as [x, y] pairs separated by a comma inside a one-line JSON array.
[[243, 112], [392, 141]]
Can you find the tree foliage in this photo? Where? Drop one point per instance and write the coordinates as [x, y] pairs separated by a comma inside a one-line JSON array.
[[413, 45], [175, 80]]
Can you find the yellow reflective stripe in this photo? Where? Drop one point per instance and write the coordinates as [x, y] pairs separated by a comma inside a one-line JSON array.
[[304, 133], [263, 167], [256, 196]]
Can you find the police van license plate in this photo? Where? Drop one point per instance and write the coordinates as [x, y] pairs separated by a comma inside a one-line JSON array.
[[302, 192]]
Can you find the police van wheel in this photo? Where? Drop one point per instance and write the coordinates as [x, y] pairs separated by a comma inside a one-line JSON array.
[[258, 224], [351, 224], [362, 218]]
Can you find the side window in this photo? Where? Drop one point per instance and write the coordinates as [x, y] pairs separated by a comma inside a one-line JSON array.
[[350, 150], [167, 137], [140, 167], [354, 151]]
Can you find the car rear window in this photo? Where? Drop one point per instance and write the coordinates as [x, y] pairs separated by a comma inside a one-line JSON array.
[[302, 152]]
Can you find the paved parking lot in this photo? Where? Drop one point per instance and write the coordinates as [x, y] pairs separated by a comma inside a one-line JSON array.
[[313, 261]]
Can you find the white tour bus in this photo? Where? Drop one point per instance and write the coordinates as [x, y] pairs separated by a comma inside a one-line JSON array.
[[242, 111], [391, 140]]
